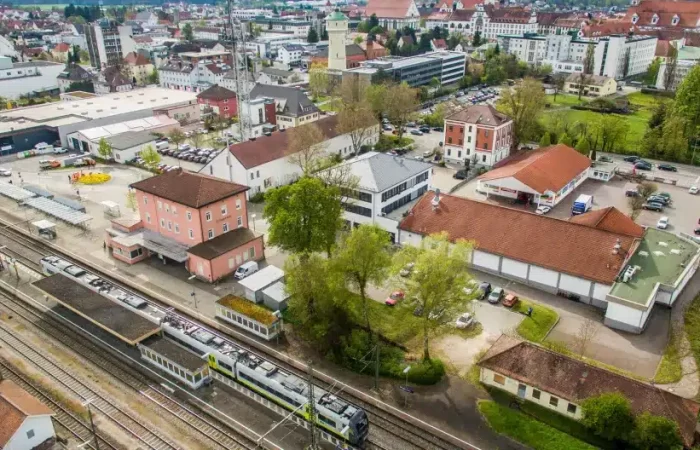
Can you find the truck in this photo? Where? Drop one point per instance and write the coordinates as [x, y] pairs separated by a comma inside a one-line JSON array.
[[582, 204]]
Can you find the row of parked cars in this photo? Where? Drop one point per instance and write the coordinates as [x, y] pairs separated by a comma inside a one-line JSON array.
[[641, 164], [186, 152]]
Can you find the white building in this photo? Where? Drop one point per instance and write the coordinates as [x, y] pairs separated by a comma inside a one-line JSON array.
[[7, 48], [289, 54], [27, 78], [265, 162], [26, 422], [488, 21], [297, 28], [206, 33], [337, 27], [395, 14], [192, 77], [614, 56], [387, 187]]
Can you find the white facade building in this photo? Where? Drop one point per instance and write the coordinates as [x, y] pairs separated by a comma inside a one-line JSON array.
[[27, 78], [337, 27], [289, 54]]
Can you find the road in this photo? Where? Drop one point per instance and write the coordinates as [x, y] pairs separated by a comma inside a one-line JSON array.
[[686, 176]]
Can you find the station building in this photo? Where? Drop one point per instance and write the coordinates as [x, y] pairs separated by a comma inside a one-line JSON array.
[[601, 258]]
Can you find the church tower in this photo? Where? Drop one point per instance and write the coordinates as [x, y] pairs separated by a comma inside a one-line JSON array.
[[337, 27]]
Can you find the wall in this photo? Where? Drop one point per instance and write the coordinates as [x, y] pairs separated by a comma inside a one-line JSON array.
[[123, 253], [41, 426], [227, 264], [626, 318], [15, 87], [235, 208], [510, 385]]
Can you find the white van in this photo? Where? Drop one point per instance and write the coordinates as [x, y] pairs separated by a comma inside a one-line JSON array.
[[162, 145], [246, 269]]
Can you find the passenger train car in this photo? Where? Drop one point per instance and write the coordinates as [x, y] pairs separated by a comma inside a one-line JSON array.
[[333, 414]]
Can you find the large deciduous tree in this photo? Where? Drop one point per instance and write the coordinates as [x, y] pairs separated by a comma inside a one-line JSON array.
[[588, 65], [363, 257], [304, 217], [437, 282], [355, 117], [319, 82], [523, 104], [401, 102], [655, 433], [187, 32], [176, 137], [306, 147], [671, 66], [687, 103]]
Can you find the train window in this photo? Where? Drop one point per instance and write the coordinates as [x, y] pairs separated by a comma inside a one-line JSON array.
[[189, 377], [238, 318], [257, 328], [197, 377], [326, 420], [225, 366], [160, 361]]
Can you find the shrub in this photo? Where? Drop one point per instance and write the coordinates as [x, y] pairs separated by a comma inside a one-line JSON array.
[[655, 433], [257, 198], [608, 415], [427, 372]]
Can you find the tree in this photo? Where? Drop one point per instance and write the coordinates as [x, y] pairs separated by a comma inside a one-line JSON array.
[[363, 257], [324, 35], [187, 32], [373, 21], [424, 43], [652, 72], [355, 117], [401, 102], [647, 188], [585, 335], [104, 149], [196, 139], [673, 138], [306, 148], [608, 415], [546, 140], [476, 40], [523, 104], [274, 10], [656, 433], [635, 205], [671, 65], [176, 137], [358, 40], [312, 37], [131, 201], [565, 139], [319, 82], [558, 80], [153, 77], [150, 157], [687, 102], [437, 282], [84, 56], [304, 217], [76, 20], [588, 65], [582, 147], [610, 132]]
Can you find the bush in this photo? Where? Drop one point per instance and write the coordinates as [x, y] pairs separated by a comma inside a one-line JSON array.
[[654, 433], [608, 416], [257, 198]]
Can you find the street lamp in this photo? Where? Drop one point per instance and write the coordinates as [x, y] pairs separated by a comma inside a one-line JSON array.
[[87, 403], [405, 390], [193, 294], [253, 216]]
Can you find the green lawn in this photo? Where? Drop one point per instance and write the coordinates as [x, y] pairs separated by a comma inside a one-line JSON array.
[[645, 100], [535, 327], [527, 430], [330, 106], [565, 100], [692, 327], [670, 370]]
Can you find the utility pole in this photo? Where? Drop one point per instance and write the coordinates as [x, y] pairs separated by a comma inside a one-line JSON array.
[[92, 423], [238, 49], [312, 409], [376, 367]]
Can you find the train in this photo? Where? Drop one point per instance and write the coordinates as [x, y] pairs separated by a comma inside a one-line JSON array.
[[336, 416]]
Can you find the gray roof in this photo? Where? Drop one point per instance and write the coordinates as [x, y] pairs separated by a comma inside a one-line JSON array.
[[125, 141], [291, 101], [293, 48], [377, 172], [277, 72]]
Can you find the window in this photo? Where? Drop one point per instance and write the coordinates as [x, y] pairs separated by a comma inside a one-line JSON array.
[[225, 227], [469, 138], [257, 173], [238, 203], [207, 216], [170, 226], [459, 142], [224, 210], [148, 218], [167, 208], [136, 253], [252, 176], [239, 221], [449, 140], [486, 145], [211, 234], [553, 401], [499, 379], [571, 409], [145, 200], [160, 204], [177, 228], [470, 128], [536, 394], [189, 216], [162, 223], [191, 233], [251, 252], [230, 263], [451, 127], [30, 434], [174, 210], [483, 158]]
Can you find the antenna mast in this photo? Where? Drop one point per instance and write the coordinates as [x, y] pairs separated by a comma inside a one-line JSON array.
[[240, 71]]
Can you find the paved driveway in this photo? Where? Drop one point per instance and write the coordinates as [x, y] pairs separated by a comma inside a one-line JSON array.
[[496, 319]]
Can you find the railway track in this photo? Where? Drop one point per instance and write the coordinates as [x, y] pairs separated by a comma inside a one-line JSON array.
[[63, 416], [212, 432], [387, 427]]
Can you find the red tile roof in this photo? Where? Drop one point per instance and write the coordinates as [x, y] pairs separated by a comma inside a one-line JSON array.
[[545, 169], [269, 148], [509, 15], [16, 405], [188, 188], [388, 8], [61, 48], [575, 381], [688, 13], [609, 219], [136, 59], [217, 92], [555, 244], [439, 43], [481, 115], [607, 28]]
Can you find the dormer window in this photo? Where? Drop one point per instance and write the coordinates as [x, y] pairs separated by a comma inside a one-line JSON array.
[[635, 18], [654, 19], [675, 20]]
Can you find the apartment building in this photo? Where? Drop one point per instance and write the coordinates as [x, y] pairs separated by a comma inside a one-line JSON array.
[[108, 43], [447, 66], [478, 134]]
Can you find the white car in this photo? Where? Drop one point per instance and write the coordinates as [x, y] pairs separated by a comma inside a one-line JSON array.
[[189, 133], [184, 147], [5, 172], [662, 223], [693, 190], [59, 150], [202, 131], [543, 209], [464, 321]]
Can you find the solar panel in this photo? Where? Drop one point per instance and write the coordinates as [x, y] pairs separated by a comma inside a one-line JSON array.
[[72, 204], [57, 210], [41, 192], [15, 192]]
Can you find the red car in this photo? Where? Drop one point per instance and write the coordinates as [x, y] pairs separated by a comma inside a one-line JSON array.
[[395, 297], [510, 300]]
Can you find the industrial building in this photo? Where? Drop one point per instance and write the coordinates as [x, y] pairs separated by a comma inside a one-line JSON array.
[[448, 67]]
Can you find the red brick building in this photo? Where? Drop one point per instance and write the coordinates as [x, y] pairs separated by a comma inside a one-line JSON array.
[[219, 100], [479, 134]]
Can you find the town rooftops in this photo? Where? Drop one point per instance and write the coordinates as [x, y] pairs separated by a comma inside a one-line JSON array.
[[74, 72], [545, 169], [277, 72], [555, 244], [16, 405], [574, 381], [188, 188], [609, 219], [136, 59], [217, 92], [290, 101], [222, 243], [397, 9], [377, 172], [126, 141], [269, 148], [591, 80], [480, 114]]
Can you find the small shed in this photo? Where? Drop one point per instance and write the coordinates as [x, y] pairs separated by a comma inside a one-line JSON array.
[[111, 209], [275, 297], [45, 228], [256, 283]]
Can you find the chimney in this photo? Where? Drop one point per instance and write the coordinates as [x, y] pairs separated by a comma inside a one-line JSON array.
[[616, 247], [435, 202]]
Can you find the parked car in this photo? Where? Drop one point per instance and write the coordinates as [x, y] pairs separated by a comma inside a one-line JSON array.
[[460, 175], [510, 300], [189, 133], [543, 209], [632, 159], [631, 193], [394, 298], [438, 129], [246, 269], [496, 295], [464, 321], [60, 150], [183, 147], [605, 159], [693, 190], [653, 206], [485, 288], [667, 167], [642, 165], [424, 129], [387, 128], [411, 124], [658, 199], [407, 270], [416, 132], [5, 172], [665, 195], [662, 223]]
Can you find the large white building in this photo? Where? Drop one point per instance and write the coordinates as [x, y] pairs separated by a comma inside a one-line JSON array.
[[487, 20], [27, 78], [290, 54], [614, 56], [192, 77], [387, 186]]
